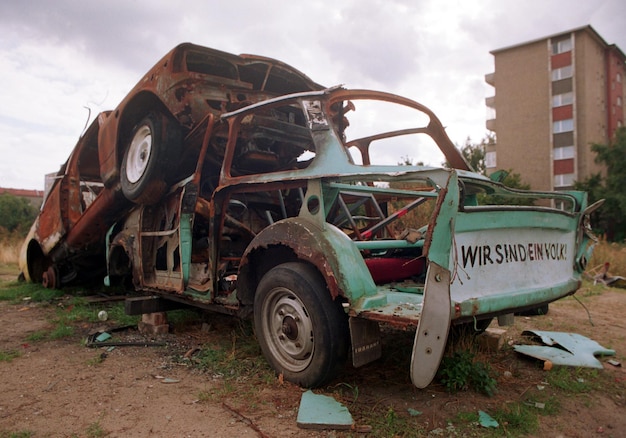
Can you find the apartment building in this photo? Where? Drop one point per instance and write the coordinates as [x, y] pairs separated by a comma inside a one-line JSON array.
[[554, 97]]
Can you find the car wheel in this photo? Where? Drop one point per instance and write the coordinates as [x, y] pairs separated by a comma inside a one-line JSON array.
[[50, 278], [143, 166], [302, 332]]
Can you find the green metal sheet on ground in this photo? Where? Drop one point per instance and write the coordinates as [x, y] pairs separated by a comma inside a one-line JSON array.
[[568, 349], [322, 412]]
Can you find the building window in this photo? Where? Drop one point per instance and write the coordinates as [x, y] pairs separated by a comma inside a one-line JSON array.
[[565, 180], [562, 73], [566, 125], [619, 100], [562, 46], [562, 99], [490, 159], [619, 77], [564, 153]]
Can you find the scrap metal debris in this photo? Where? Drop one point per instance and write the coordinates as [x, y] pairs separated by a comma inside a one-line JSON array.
[[601, 274], [101, 339], [487, 420], [322, 412], [568, 349]]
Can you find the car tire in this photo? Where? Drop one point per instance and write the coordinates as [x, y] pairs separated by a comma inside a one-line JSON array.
[[143, 169], [302, 331]]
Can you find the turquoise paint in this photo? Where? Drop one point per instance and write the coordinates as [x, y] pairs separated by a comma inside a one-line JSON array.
[[442, 232], [186, 231], [482, 220], [516, 299]]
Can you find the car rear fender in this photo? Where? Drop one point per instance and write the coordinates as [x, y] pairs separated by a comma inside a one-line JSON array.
[[330, 250], [117, 127]]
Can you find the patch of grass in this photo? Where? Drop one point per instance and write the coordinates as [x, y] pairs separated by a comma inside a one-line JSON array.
[[61, 331], [573, 380], [234, 359], [517, 419], [9, 355], [387, 422], [23, 434], [461, 371], [39, 335], [18, 291]]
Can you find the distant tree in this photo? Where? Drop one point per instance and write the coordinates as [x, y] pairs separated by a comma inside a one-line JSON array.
[[408, 161], [474, 154], [611, 218], [16, 214]]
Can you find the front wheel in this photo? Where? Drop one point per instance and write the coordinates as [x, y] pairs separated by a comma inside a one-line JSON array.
[[302, 332]]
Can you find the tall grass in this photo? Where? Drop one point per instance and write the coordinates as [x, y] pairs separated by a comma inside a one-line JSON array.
[[613, 253], [10, 251]]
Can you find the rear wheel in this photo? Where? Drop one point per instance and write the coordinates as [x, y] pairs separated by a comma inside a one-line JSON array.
[[143, 166], [51, 278], [302, 332]]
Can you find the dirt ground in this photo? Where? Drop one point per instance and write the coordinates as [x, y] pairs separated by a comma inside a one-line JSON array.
[[62, 389]]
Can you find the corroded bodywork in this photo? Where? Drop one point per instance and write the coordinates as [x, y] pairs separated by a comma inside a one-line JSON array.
[[277, 207]]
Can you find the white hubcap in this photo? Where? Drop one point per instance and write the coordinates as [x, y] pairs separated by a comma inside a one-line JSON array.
[[139, 154]]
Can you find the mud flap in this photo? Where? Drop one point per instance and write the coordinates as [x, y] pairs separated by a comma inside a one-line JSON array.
[[366, 345], [433, 326]]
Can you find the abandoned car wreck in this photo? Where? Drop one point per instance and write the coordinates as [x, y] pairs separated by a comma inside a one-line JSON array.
[[239, 185]]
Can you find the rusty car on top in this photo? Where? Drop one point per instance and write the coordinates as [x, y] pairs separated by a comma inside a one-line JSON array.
[[238, 185]]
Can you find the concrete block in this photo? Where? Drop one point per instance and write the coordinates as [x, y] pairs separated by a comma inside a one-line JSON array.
[[154, 323], [491, 339]]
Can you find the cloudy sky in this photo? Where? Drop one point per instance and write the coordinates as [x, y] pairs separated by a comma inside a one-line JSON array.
[[58, 58]]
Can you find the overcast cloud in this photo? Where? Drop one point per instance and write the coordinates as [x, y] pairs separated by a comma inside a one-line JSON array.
[[59, 58]]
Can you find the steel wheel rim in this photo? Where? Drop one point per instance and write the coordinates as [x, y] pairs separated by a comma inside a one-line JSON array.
[[289, 328], [139, 154]]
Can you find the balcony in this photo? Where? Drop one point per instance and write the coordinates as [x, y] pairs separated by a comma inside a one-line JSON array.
[[490, 78]]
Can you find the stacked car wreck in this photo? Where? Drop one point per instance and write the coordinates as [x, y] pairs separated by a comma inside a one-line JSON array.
[[237, 184]]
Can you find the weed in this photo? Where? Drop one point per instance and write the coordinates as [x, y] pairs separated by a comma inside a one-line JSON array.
[[39, 335], [95, 430], [8, 356], [573, 380], [206, 396], [461, 372], [62, 331], [96, 360], [518, 417], [353, 389]]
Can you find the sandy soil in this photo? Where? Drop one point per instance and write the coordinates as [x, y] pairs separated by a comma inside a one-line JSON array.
[[63, 389]]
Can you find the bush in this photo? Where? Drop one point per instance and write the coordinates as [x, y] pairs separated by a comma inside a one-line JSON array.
[[461, 372], [16, 215]]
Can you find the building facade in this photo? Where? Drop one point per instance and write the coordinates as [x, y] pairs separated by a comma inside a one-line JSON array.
[[554, 97]]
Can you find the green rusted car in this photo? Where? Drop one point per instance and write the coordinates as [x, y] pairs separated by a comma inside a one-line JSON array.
[[294, 213], [297, 226]]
